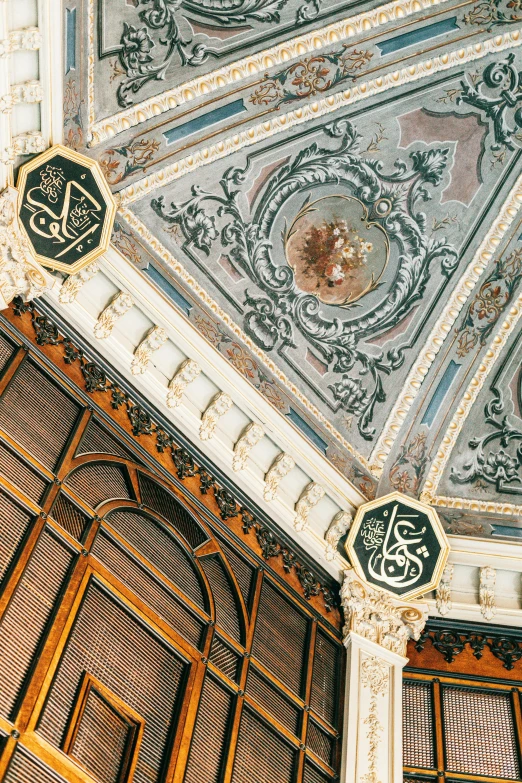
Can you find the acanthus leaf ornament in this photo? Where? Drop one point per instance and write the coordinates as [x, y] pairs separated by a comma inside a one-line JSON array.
[[209, 221], [309, 498], [339, 525], [250, 436], [280, 467], [217, 408], [143, 353], [187, 372], [20, 274], [377, 616]]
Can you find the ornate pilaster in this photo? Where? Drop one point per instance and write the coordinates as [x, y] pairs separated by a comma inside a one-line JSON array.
[[20, 274], [376, 632]]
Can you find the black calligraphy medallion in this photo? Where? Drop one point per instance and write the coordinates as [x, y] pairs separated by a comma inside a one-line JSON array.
[[397, 544], [66, 209]]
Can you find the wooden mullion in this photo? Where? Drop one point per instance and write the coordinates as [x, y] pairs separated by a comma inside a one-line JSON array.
[[64, 465], [132, 473], [19, 450], [515, 699], [150, 567], [33, 699], [20, 564], [6, 755], [282, 729], [312, 636], [297, 700], [254, 609], [12, 367], [439, 726], [181, 749], [318, 761]]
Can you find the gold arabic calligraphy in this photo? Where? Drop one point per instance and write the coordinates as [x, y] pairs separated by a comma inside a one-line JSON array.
[[392, 560], [79, 217]]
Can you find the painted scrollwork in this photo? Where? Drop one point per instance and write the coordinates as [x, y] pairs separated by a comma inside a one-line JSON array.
[[496, 456], [504, 106], [147, 51], [389, 200], [490, 13]]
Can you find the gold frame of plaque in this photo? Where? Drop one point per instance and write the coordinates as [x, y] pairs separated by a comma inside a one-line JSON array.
[[398, 550], [109, 205]]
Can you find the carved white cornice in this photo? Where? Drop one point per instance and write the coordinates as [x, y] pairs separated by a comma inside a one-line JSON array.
[[107, 319], [488, 578], [30, 143], [26, 92], [143, 353], [29, 39], [20, 274], [219, 405], [378, 617], [187, 372], [310, 497], [74, 283], [443, 594], [280, 467], [339, 525], [250, 437]]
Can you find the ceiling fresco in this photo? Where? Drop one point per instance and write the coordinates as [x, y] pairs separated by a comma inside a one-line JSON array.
[[330, 192]]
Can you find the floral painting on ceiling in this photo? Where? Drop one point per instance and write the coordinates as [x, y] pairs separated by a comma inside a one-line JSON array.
[[335, 253]]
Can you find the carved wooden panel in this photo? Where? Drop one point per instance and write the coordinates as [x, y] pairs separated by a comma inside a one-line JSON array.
[[135, 643]]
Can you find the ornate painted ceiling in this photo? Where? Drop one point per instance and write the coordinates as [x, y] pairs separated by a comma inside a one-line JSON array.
[[331, 193]]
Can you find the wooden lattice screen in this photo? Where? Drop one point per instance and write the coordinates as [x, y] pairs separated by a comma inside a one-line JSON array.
[[137, 641], [462, 704]]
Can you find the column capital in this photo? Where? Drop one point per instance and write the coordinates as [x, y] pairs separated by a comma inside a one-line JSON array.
[[20, 273], [375, 615]]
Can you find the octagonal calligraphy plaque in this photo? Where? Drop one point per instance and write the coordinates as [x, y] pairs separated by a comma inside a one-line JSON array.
[[66, 209], [398, 544]]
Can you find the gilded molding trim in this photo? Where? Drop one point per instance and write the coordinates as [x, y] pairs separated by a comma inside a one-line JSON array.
[[200, 292], [143, 353], [280, 467], [347, 97], [339, 525], [250, 436], [442, 328], [488, 577], [74, 283], [428, 494], [20, 274], [219, 405], [309, 498], [443, 594], [120, 305], [248, 67], [187, 372], [375, 676]]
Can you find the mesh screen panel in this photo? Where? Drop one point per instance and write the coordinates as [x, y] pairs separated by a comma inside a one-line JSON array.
[[224, 658], [6, 351], [280, 637], [227, 608], [206, 758], [147, 587], [25, 768], [98, 482], [37, 414], [261, 755], [96, 440], [131, 661], [243, 571], [313, 774], [18, 473], [25, 620], [168, 506], [101, 727], [269, 697], [417, 725], [155, 543], [69, 516], [13, 525], [325, 678], [321, 743], [479, 732]]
